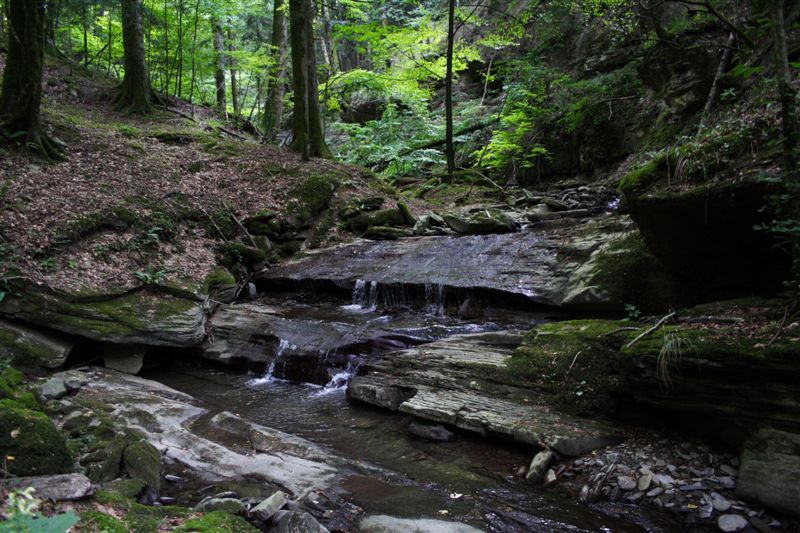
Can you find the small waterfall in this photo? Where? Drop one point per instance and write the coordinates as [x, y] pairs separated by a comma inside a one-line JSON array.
[[434, 298], [269, 376], [340, 380], [365, 294]]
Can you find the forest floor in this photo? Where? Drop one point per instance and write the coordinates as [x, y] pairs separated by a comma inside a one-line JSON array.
[[60, 222]]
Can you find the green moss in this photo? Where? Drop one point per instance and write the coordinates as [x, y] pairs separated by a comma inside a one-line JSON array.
[[384, 217], [116, 499], [312, 197], [574, 362], [218, 277], [234, 252], [142, 460], [644, 175], [130, 488], [217, 521], [30, 437], [10, 381], [145, 519], [101, 523], [633, 275]]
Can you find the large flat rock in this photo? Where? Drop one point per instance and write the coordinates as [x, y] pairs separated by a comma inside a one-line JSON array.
[[462, 381], [539, 266], [169, 420], [30, 346], [137, 317]]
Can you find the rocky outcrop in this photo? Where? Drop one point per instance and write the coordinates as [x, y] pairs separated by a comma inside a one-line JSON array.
[[770, 469], [528, 267], [138, 317], [462, 382], [30, 346], [65, 487]]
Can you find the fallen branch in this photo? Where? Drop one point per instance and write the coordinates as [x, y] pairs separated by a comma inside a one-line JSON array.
[[619, 330], [651, 329], [239, 223], [573, 362]]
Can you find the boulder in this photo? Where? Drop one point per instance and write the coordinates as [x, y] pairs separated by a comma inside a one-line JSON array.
[[139, 317], [65, 487], [483, 222], [30, 437], [386, 233], [143, 460], [130, 488], [539, 465], [297, 522], [383, 218], [268, 507], [52, 389], [124, 358], [29, 346], [770, 468], [227, 505]]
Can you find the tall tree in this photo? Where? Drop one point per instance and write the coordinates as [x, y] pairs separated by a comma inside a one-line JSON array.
[[450, 151], [21, 93], [134, 93], [308, 136], [219, 59], [274, 107], [234, 79]]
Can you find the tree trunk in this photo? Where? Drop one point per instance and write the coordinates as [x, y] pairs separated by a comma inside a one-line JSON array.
[[85, 37], [308, 137], [167, 72], [180, 49], [724, 63], [449, 150], [134, 93], [274, 108], [110, 43], [234, 79], [21, 93], [219, 57], [51, 24], [194, 50], [789, 125]]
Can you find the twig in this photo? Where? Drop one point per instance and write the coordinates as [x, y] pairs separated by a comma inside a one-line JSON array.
[[573, 362], [651, 329], [214, 223], [238, 223]]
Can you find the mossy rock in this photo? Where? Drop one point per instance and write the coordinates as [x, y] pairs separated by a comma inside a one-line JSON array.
[[218, 278], [110, 459], [356, 206], [29, 347], [312, 197], [142, 460], [234, 252], [130, 488], [484, 222], [384, 233], [30, 437], [384, 218], [216, 522], [644, 175], [407, 214], [576, 362]]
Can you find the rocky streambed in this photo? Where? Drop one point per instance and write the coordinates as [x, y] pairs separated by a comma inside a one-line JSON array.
[[430, 382]]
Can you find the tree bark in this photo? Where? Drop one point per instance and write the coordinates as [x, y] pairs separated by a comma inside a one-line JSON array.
[[274, 108], [308, 136], [450, 151], [134, 93], [180, 49], [21, 92], [724, 63], [194, 51], [234, 79], [51, 23], [219, 57]]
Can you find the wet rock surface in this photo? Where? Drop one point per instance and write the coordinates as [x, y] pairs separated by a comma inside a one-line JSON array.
[[461, 381], [535, 266]]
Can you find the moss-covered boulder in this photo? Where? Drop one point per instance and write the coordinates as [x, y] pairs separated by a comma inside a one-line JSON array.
[[30, 445], [311, 198], [146, 317], [383, 218], [235, 252], [385, 233], [216, 522], [142, 460], [29, 346], [482, 222]]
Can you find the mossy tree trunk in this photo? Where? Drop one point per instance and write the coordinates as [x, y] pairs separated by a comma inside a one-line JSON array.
[[219, 58], [134, 93], [308, 137], [234, 78], [21, 93], [274, 107]]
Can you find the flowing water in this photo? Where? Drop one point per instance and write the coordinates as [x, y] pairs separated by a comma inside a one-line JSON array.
[[468, 479]]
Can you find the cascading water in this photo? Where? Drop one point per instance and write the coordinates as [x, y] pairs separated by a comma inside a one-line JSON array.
[[269, 376], [341, 380], [434, 298], [365, 295]]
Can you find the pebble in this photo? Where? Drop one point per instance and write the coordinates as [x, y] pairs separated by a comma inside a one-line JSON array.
[[644, 482], [732, 522], [720, 504], [727, 482], [626, 483], [658, 491], [728, 470]]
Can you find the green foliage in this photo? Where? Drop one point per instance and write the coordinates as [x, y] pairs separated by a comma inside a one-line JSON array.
[[21, 510], [152, 275]]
